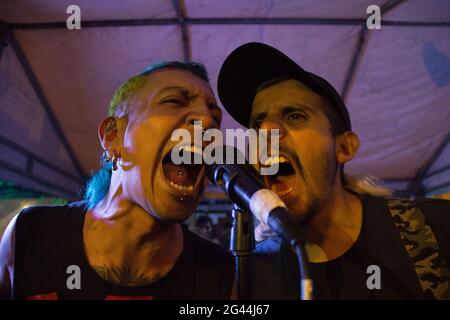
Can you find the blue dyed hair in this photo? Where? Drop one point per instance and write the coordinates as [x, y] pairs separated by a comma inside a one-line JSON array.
[[98, 185]]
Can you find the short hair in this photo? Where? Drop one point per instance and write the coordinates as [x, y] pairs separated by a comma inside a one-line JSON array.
[[97, 186], [119, 102], [337, 124]]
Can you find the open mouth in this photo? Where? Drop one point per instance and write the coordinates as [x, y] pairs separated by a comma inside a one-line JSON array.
[[183, 177], [282, 182]]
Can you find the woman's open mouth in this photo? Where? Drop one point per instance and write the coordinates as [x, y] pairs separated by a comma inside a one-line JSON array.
[[183, 177], [282, 182]]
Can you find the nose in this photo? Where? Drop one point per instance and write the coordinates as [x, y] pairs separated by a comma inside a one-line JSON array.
[[270, 124], [205, 117]]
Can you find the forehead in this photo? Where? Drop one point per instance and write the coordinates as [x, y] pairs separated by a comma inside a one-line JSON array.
[[170, 77], [285, 93]]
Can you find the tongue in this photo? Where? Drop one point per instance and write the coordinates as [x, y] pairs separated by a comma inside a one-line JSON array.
[[178, 174], [283, 183]]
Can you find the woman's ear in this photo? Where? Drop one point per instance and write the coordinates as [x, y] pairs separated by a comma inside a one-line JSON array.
[[109, 135], [347, 145]]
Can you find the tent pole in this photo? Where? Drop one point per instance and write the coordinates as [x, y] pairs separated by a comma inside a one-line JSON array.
[[37, 158], [422, 173], [42, 181], [224, 21], [363, 40], [44, 102], [4, 33], [181, 15]]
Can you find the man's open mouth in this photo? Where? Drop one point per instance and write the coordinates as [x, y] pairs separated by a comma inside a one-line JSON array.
[[183, 177], [282, 182]]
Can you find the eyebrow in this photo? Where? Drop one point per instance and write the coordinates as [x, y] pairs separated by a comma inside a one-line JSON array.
[[182, 90], [288, 107], [295, 107], [186, 94]]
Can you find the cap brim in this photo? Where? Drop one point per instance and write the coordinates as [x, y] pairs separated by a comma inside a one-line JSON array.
[[254, 63]]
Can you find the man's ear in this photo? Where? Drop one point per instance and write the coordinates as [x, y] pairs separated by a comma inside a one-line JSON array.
[[347, 145], [109, 134]]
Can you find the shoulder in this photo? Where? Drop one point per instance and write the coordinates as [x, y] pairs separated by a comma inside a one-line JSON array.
[[44, 211], [36, 216], [7, 246], [439, 206], [40, 226], [435, 214], [433, 209]]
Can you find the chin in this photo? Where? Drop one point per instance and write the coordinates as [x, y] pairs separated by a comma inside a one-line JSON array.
[[176, 211]]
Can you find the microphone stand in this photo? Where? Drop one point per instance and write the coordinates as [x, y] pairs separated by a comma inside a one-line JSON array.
[[242, 245]]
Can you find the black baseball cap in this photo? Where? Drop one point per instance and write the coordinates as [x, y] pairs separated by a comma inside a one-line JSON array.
[[254, 63]]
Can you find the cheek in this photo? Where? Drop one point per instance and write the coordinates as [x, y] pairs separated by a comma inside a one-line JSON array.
[[315, 150], [139, 156], [142, 143]]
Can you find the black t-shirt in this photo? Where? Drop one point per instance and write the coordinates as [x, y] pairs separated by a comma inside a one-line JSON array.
[[275, 267], [48, 240]]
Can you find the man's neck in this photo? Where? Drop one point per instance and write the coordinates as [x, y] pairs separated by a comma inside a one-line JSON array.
[[121, 235], [336, 227]]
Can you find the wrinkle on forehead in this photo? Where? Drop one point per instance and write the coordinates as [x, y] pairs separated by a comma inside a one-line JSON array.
[[166, 79], [172, 77]]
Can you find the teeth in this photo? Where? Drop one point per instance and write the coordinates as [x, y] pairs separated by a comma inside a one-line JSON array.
[[192, 149], [273, 160], [282, 193], [180, 187]]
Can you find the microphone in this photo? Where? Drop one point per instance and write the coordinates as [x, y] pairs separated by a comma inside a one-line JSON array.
[[242, 184]]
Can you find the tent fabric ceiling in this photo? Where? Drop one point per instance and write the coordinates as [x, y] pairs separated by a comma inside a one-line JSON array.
[[395, 80], [29, 11], [418, 10], [23, 122], [331, 57], [279, 8], [396, 92], [95, 64]]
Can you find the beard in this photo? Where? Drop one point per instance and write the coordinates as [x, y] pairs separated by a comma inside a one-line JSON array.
[[319, 178]]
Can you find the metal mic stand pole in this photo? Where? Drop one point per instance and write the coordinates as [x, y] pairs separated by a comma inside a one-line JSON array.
[[242, 245]]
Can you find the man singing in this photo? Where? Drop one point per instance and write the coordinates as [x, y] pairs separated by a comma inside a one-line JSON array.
[[352, 232]]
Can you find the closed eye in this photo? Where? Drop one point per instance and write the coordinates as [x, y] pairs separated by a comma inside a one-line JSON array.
[[173, 101]]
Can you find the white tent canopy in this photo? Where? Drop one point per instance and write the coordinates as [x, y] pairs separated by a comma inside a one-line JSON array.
[[55, 83]]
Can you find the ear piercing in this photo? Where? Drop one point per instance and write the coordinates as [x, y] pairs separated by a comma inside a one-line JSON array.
[[106, 156], [114, 163], [112, 159]]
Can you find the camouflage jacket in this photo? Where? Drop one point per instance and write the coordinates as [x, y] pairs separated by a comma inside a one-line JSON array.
[[408, 240]]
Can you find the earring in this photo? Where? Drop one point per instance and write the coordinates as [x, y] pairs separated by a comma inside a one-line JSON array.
[[120, 161], [114, 163], [106, 156]]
